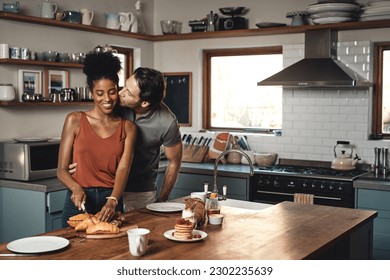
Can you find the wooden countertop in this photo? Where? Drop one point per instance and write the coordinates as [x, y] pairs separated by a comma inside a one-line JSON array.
[[286, 231]]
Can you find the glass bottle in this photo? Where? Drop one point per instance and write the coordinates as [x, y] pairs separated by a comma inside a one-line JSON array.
[[140, 20], [213, 206]]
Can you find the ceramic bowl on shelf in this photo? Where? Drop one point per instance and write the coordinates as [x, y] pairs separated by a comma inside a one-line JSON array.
[[170, 27], [50, 55]]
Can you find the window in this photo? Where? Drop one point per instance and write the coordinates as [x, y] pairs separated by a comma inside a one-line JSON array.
[[231, 98], [381, 91], [125, 55]]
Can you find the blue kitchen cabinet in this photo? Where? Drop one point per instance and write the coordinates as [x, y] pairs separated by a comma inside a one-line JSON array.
[[26, 213], [378, 200], [237, 188]]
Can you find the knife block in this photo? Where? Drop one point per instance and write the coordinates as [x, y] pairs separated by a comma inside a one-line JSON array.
[[194, 153]]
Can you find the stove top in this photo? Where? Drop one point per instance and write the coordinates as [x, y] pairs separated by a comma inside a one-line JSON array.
[[306, 171]]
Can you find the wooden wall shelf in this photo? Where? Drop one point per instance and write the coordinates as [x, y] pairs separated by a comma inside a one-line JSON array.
[[40, 63], [40, 104], [353, 25]]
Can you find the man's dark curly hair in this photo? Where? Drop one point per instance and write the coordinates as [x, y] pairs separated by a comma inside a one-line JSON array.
[[101, 65]]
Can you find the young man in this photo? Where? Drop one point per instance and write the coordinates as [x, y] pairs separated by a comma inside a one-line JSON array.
[[141, 102]]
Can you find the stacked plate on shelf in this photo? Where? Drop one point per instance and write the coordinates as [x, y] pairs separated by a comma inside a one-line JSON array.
[[376, 10], [325, 12]]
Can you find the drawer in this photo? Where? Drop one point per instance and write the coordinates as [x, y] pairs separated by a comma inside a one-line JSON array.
[[55, 201]]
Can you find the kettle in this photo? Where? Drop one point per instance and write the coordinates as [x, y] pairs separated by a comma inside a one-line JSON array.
[[343, 156]]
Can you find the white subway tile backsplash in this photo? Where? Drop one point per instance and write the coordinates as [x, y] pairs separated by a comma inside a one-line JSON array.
[[314, 120]]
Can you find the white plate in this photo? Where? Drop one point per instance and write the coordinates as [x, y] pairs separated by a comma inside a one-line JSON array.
[[166, 207], [168, 234], [32, 139], [331, 14], [331, 20], [38, 244], [379, 10], [378, 17], [331, 7]]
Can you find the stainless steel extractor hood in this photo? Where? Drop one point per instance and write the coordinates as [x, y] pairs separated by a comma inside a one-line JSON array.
[[319, 68]]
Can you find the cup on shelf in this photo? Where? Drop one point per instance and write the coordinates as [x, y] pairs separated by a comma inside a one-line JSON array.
[[14, 52], [4, 51], [63, 57], [40, 56], [86, 16], [50, 55]]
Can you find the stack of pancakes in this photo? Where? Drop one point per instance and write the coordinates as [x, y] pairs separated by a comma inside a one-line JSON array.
[[183, 229]]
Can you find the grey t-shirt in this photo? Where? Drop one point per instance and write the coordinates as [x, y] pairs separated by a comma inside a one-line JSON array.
[[157, 127]]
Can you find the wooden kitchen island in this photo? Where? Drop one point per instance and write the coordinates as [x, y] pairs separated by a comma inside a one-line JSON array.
[[286, 231]]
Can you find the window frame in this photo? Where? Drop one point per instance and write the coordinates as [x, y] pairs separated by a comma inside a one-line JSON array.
[[129, 60], [208, 54], [377, 91]]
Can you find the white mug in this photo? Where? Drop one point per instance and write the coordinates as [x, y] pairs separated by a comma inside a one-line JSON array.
[[4, 51], [86, 16], [138, 241]]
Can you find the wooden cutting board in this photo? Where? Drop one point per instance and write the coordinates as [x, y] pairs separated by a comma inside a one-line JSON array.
[[123, 232]]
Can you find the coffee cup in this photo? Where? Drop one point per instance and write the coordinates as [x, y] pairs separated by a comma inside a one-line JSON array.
[[138, 241], [86, 16], [72, 16], [4, 51], [200, 195], [14, 52]]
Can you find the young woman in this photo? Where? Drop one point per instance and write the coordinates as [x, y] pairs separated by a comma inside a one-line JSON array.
[[100, 142]]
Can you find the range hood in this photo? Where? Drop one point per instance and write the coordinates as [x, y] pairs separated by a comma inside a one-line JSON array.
[[319, 68]]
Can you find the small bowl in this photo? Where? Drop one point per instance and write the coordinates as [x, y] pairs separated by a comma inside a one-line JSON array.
[[265, 159], [215, 219], [170, 27], [50, 55]]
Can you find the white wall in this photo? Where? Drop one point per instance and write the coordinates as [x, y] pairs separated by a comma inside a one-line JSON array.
[[312, 122], [183, 56]]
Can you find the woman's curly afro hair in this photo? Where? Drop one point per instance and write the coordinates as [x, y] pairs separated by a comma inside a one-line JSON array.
[[101, 65]]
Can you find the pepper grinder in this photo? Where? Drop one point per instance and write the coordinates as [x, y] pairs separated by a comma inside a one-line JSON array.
[[384, 163], [377, 151]]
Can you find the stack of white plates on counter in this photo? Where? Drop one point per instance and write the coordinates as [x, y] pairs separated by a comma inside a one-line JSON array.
[[376, 10], [325, 12]]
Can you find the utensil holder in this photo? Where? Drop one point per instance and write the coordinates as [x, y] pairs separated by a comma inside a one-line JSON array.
[[194, 153]]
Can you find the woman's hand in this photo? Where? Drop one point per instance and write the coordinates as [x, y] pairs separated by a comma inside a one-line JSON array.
[[108, 211], [78, 197]]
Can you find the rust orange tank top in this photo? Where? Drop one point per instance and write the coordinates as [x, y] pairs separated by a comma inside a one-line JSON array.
[[97, 158]]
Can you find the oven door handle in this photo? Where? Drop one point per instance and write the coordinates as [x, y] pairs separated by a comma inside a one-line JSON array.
[[291, 194]]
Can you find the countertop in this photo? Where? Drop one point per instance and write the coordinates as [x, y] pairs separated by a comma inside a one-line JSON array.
[[371, 181], [286, 231], [53, 184]]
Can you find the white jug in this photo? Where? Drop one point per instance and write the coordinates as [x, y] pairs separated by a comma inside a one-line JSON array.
[[128, 21], [86, 16], [48, 9], [114, 20]]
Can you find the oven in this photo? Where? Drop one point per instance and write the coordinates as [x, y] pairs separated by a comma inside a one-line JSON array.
[[329, 187]]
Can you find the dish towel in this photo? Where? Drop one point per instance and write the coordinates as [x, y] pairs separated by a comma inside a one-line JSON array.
[[303, 198]]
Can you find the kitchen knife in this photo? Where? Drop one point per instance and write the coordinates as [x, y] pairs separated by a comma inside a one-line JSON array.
[[188, 139], [85, 211], [184, 137], [207, 141], [18, 255]]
